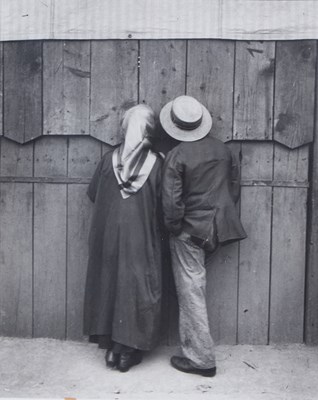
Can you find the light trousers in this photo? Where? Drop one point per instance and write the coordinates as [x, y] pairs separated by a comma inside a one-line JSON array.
[[188, 264]]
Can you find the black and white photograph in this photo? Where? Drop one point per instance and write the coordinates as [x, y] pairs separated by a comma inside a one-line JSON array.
[[159, 199]]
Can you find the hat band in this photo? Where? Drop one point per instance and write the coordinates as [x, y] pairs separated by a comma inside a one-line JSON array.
[[188, 126]]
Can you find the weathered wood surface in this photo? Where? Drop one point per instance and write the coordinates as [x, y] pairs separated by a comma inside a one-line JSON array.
[[210, 79], [311, 314], [50, 234], [22, 89], [16, 311], [253, 287], [16, 160], [162, 71], [16, 242], [114, 84], [49, 260], [159, 19], [254, 266], [78, 224], [50, 157], [88, 85], [295, 92], [66, 87], [84, 153], [222, 275], [253, 92], [1, 89], [288, 248]]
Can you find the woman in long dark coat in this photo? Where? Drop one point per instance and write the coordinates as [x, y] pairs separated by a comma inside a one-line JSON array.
[[123, 287]]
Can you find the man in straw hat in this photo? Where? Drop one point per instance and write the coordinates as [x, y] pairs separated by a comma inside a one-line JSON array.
[[200, 188]]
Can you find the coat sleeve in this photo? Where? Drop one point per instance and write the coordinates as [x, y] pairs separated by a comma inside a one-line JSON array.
[[235, 179], [172, 184]]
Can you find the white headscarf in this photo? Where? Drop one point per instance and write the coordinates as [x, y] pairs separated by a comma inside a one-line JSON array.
[[133, 160]]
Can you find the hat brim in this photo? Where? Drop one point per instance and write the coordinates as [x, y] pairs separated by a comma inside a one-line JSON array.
[[182, 134]]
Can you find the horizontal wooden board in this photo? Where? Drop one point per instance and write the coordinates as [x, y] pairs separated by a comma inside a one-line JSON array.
[[158, 19]]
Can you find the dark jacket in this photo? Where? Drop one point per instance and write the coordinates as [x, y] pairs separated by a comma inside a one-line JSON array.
[[200, 188]]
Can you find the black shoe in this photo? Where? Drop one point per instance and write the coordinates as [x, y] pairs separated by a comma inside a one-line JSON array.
[[112, 359], [184, 365], [128, 360]]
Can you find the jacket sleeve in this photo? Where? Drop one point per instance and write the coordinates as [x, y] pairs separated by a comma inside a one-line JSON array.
[[172, 204], [235, 179]]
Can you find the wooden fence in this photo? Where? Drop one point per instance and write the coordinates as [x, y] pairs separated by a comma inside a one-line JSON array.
[[60, 105]]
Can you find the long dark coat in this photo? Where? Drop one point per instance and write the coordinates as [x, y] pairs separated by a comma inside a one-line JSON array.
[[123, 287]]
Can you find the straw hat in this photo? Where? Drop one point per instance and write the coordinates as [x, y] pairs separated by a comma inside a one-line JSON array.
[[185, 119]]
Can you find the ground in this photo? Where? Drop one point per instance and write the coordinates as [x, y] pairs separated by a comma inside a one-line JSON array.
[[46, 368]]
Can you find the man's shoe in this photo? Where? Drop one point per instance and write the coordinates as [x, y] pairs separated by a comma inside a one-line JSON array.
[[112, 359], [184, 365], [128, 360]]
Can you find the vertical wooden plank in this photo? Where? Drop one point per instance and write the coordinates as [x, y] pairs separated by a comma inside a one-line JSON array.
[[295, 92], [84, 154], [162, 71], [311, 314], [16, 259], [288, 265], [114, 82], [79, 212], [288, 247], [210, 80], [1, 89], [49, 260], [254, 269], [162, 78], [66, 85], [22, 90], [222, 275], [16, 159], [254, 83], [50, 233], [50, 157]]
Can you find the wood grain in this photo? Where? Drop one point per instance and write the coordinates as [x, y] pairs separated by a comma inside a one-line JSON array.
[[16, 159], [78, 221], [22, 90], [162, 71], [50, 157], [222, 286], [114, 81], [16, 259], [84, 153], [160, 19], [288, 265], [50, 202], [1, 89], [254, 84], [210, 80], [295, 92], [66, 86], [255, 251], [311, 314]]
